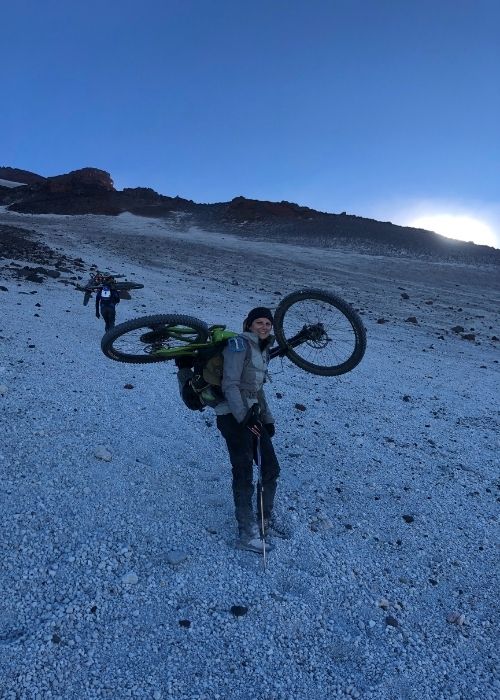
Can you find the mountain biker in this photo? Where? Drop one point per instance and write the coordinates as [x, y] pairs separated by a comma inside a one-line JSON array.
[[106, 299], [242, 418]]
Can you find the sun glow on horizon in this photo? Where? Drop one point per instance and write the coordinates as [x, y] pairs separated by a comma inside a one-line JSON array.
[[458, 226]]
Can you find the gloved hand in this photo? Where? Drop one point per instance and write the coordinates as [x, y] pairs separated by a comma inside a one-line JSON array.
[[97, 314], [252, 420], [270, 429], [254, 426], [184, 362]]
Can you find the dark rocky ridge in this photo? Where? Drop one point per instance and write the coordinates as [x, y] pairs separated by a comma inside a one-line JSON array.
[[17, 175], [91, 191]]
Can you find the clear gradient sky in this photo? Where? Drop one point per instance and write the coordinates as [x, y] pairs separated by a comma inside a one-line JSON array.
[[383, 108]]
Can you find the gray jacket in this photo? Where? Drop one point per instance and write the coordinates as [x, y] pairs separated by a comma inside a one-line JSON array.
[[245, 371]]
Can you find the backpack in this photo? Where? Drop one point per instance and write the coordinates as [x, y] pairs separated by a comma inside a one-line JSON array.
[[205, 387]]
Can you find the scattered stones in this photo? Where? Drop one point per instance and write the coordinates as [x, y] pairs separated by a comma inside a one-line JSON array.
[[300, 407], [3, 289], [455, 618], [406, 398], [391, 621], [130, 578], [468, 336], [35, 278], [279, 395], [10, 636], [408, 518], [103, 453], [458, 329], [320, 524], [404, 295], [185, 623], [239, 610], [411, 319], [382, 320], [176, 556], [128, 386]]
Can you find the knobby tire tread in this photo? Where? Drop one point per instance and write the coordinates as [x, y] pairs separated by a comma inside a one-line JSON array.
[[145, 322], [341, 305]]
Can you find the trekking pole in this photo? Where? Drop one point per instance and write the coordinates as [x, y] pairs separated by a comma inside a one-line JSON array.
[[260, 485]]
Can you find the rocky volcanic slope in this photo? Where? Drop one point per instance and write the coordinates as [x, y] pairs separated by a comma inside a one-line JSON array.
[[116, 523], [91, 191]]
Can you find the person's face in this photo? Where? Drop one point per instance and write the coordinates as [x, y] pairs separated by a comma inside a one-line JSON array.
[[261, 327]]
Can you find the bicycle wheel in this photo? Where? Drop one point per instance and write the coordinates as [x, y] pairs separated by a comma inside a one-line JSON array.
[[139, 341], [128, 285], [320, 332]]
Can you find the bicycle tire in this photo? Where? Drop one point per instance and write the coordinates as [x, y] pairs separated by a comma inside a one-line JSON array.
[[128, 285], [152, 323], [343, 339]]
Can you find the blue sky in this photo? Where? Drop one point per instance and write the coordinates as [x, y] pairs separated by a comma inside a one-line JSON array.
[[382, 108]]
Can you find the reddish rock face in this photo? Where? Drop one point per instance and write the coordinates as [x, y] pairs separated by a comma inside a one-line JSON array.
[[17, 175], [81, 180], [254, 209]]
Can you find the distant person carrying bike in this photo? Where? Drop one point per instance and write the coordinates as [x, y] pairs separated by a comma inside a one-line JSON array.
[[106, 300]]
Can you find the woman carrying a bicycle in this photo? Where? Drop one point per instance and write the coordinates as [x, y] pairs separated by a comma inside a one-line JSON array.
[[317, 330], [244, 419]]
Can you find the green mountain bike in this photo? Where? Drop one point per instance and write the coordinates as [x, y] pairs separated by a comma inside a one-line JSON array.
[[316, 330]]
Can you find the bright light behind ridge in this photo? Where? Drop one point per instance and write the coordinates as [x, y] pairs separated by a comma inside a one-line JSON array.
[[462, 228]]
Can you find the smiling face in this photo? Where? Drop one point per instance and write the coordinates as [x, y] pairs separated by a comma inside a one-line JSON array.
[[261, 327]]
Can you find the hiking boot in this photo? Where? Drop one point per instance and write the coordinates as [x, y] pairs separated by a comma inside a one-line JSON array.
[[273, 527], [251, 541]]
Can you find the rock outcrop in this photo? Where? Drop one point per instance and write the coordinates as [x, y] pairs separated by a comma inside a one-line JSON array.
[[83, 181], [17, 175], [87, 191], [243, 209]]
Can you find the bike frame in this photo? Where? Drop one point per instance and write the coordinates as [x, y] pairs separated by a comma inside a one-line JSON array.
[[218, 334], [183, 333]]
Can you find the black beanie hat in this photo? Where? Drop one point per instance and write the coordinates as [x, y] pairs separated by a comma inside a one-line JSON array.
[[258, 312]]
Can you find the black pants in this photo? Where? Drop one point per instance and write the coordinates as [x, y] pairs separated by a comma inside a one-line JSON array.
[[241, 447], [108, 313]]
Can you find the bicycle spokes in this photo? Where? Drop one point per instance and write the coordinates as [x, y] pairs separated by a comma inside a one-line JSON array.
[[319, 333], [153, 339]]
